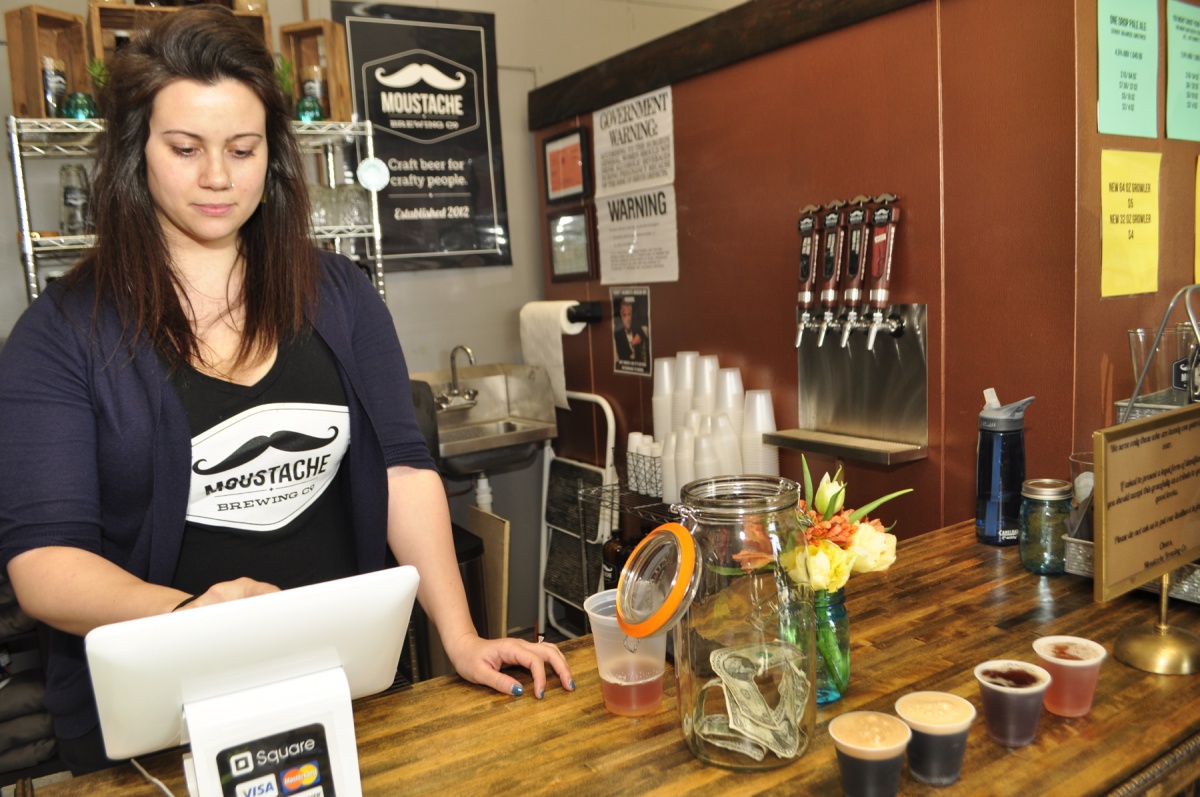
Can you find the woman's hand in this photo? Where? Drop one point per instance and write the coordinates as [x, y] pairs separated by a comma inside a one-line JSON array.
[[229, 591], [480, 660]]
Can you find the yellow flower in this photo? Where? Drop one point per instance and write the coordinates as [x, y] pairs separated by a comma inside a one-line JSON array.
[[829, 566], [873, 548]]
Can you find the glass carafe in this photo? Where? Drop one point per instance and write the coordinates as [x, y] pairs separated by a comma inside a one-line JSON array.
[[732, 581]]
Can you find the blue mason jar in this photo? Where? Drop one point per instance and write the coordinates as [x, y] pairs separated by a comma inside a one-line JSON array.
[[1045, 509], [833, 645]]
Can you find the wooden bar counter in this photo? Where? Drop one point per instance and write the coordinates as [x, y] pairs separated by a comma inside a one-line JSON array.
[[947, 604]]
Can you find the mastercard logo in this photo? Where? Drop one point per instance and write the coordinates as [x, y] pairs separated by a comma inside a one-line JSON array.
[[299, 777]]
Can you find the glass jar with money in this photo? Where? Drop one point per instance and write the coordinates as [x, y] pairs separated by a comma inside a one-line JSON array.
[[743, 624]]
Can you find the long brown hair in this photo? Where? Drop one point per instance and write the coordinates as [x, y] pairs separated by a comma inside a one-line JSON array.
[[130, 264]]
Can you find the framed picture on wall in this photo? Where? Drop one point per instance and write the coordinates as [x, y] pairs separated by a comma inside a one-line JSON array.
[[572, 244], [567, 166]]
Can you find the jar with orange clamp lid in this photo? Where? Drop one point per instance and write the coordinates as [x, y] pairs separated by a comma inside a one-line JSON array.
[[731, 583]]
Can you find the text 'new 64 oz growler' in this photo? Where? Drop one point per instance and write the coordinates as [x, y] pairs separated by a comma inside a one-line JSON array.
[[732, 581]]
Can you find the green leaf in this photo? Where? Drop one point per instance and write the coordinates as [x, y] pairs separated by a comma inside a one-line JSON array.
[[808, 491], [836, 502], [862, 511], [726, 571]]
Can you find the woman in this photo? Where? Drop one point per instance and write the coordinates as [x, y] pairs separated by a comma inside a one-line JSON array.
[[206, 408]]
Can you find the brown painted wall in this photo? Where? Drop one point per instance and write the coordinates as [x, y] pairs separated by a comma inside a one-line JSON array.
[[966, 109]]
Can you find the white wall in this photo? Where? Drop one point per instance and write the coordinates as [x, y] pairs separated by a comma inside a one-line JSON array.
[[537, 42]]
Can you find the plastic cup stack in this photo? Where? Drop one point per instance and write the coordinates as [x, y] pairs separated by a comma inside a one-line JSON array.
[[663, 398], [731, 397], [704, 392], [693, 419], [706, 463], [757, 456], [654, 480], [729, 447], [631, 469], [684, 386], [685, 457], [670, 487]]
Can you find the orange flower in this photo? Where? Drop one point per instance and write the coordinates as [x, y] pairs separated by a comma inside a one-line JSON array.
[[757, 549]]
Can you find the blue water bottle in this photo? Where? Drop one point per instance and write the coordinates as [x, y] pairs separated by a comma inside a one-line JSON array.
[[1000, 470]]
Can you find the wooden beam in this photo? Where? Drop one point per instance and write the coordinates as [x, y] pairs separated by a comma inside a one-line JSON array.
[[742, 32]]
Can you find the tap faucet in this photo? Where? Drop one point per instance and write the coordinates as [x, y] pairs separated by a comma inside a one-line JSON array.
[[454, 366]]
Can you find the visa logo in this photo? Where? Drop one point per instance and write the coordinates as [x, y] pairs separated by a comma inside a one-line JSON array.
[[259, 787], [301, 776]]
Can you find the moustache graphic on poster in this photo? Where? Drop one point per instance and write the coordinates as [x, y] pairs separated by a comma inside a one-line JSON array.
[[427, 83]]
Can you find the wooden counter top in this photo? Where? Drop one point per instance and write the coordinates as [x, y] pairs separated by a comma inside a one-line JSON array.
[[947, 604]]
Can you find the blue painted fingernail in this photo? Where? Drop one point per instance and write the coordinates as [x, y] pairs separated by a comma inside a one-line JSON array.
[[541, 694], [517, 690], [572, 683]]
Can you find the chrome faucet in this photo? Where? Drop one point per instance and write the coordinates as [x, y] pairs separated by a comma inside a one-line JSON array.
[[454, 366], [457, 398]]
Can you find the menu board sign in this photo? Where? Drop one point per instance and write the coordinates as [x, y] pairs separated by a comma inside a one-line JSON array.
[[1147, 499]]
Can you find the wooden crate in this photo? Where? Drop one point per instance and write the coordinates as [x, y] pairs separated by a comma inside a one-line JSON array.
[[104, 20], [34, 32], [304, 44]]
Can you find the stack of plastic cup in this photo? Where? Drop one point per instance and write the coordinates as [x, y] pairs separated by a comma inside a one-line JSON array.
[[662, 400], [729, 447], [684, 386], [704, 393], [670, 488], [757, 456], [632, 477], [706, 463], [731, 397], [685, 458]]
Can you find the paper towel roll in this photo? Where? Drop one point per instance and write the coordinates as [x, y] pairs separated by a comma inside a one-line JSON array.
[[542, 326]]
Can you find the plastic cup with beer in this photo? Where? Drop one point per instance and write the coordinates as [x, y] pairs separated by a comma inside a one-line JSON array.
[[870, 752], [1012, 694], [1074, 667], [940, 723], [631, 669]]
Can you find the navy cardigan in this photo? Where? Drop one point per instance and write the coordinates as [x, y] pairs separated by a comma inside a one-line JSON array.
[[95, 446]]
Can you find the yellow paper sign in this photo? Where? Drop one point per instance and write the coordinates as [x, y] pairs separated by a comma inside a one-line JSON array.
[[1129, 184]]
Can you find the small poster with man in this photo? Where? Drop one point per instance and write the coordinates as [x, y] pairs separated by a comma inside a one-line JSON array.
[[631, 330]]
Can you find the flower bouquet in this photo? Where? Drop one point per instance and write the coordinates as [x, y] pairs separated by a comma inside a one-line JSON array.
[[840, 542]]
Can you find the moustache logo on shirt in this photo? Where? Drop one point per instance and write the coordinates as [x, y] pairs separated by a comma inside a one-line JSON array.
[[284, 440]]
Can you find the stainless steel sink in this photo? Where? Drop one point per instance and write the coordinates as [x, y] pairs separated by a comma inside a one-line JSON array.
[[510, 413]]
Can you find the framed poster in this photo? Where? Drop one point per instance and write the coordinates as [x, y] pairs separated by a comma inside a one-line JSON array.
[[425, 80], [572, 244], [567, 166]]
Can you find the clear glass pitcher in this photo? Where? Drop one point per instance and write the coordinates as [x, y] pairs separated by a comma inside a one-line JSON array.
[[732, 581]]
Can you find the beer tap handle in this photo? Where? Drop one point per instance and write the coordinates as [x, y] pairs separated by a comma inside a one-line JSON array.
[[857, 242], [834, 231], [879, 276], [809, 228]]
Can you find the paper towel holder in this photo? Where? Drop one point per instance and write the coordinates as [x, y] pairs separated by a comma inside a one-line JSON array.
[[586, 313]]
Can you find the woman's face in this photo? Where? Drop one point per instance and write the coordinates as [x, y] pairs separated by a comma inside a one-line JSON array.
[[206, 161]]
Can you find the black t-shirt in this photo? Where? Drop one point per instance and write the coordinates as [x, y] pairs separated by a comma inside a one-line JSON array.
[[267, 497]]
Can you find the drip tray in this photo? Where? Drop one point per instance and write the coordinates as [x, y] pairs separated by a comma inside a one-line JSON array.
[[863, 449]]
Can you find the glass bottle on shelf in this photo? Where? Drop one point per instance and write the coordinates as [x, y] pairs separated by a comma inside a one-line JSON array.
[[74, 215], [54, 84], [312, 84]]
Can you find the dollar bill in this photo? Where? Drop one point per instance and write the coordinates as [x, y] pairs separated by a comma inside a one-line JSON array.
[[715, 730], [749, 712]]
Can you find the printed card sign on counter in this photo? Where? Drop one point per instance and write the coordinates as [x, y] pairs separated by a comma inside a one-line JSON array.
[[634, 144], [638, 237], [1147, 499], [426, 82]]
